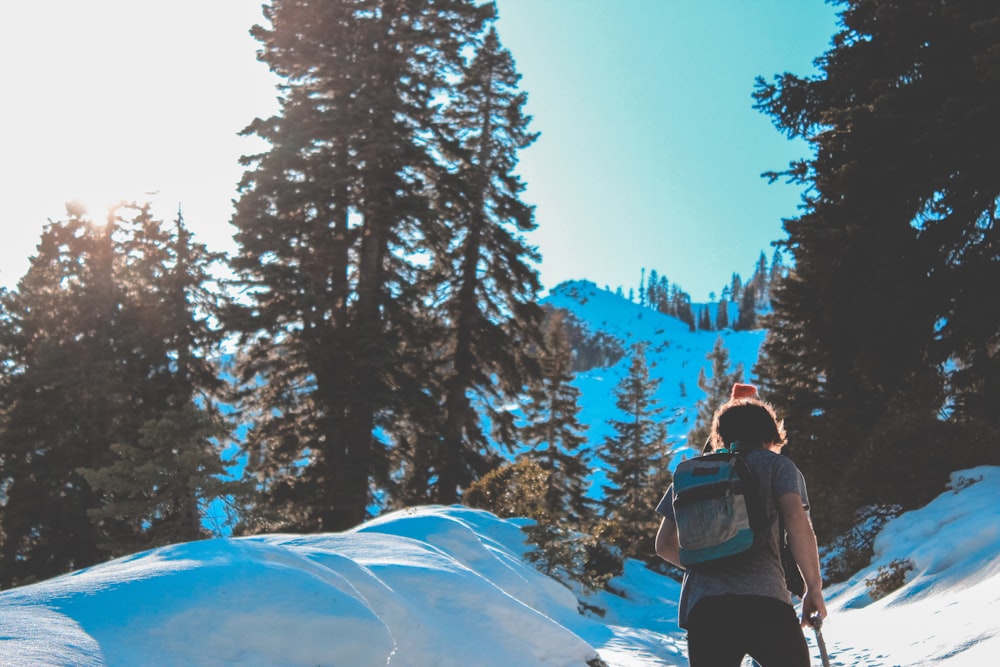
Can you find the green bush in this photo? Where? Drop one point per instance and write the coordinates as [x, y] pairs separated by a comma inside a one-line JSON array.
[[513, 490], [852, 551], [568, 555], [889, 578]]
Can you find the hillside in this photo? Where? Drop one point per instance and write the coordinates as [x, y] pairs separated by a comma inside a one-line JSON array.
[[675, 355]]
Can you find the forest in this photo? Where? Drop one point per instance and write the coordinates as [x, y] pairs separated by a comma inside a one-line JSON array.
[[357, 352]]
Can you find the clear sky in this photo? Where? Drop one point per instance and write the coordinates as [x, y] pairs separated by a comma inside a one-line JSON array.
[[650, 152]]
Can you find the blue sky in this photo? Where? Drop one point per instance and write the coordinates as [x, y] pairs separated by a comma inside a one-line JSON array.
[[649, 155], [650, 152]]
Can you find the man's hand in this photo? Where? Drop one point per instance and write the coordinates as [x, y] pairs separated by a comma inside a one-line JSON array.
[[813, 605]]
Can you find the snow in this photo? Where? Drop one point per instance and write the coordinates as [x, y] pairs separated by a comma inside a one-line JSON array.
[[440, 586], [449, 586], [673, 352]]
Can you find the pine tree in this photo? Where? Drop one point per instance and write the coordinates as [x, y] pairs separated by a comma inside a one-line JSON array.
[[663, 295], [722, 314], [332, 224], [777, 274], [552, 434], [683, 309], [488, 281], [893, 242], [736, 288], [158, 488], [642, 287], [652, 290], [717, 387], [161, 479], [704, 319], [637, 462], [90, 329], [755, 296], [746, 318], [57, 353]]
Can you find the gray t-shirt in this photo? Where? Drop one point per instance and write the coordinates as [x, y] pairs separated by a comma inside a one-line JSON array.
[[761, 573]]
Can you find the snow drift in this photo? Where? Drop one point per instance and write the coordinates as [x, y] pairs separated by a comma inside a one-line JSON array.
[[442, 586]]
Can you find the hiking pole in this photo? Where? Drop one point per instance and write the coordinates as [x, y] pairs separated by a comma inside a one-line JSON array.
[[816, 621]]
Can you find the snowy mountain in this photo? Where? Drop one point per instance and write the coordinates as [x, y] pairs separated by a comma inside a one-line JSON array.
[[674, 353], [443, 586]]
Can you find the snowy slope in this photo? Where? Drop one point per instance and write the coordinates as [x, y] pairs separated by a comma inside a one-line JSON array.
[[675, 355], [429, 586], [436, 586]]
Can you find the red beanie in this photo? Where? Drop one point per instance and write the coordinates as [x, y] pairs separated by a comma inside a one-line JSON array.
[[743, 391]]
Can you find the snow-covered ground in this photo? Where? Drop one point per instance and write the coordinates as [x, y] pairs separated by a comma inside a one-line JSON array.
[[448, 586]]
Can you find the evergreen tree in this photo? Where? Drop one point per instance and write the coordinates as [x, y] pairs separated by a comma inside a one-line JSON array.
[[58, 352], [682, 309], [489, 285], [736, 288], [777, 274], [653, 289], [890, 252], [717, 387], [642, 287], [722, 314], [162, 479], [704, 319], [101, 327], [332, 224], [637, 462], [158, 488], [746, 318], [552, 434], [663, 295], [755, 296]]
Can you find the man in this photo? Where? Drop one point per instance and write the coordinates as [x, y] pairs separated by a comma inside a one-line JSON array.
[[745, 608]]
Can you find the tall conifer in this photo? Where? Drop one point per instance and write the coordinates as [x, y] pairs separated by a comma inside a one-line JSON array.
[[637, 461], [717, 387], [486, 273], [552, 433], [161, 479], [100, 343], [890, 251], [59, 395], [332, 222]]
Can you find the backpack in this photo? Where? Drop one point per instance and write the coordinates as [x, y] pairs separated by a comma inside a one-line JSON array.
[[719, 514]]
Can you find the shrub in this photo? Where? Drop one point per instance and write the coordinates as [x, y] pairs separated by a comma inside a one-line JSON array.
[[513, 490], [518, 490], [568, 555], [889, 578], [853, 551]]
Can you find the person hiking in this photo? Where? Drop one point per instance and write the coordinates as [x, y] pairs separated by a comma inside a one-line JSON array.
[[743, 607]]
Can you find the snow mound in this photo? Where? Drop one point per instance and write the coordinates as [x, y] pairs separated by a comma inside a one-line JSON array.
[[447, 586], [441, 586]]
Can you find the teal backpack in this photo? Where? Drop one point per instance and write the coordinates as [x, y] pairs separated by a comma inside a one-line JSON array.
[[719, 514]]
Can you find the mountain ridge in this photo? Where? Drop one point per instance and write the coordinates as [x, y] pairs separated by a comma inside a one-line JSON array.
[[675, 355]]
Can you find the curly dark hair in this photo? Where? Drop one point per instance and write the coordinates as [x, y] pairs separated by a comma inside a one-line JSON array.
[[750, 422]]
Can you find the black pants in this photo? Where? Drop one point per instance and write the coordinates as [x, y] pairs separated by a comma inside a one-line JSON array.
[[724, 629]]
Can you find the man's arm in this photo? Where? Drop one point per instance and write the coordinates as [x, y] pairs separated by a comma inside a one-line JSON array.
[[802, 541], [667, 546]]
